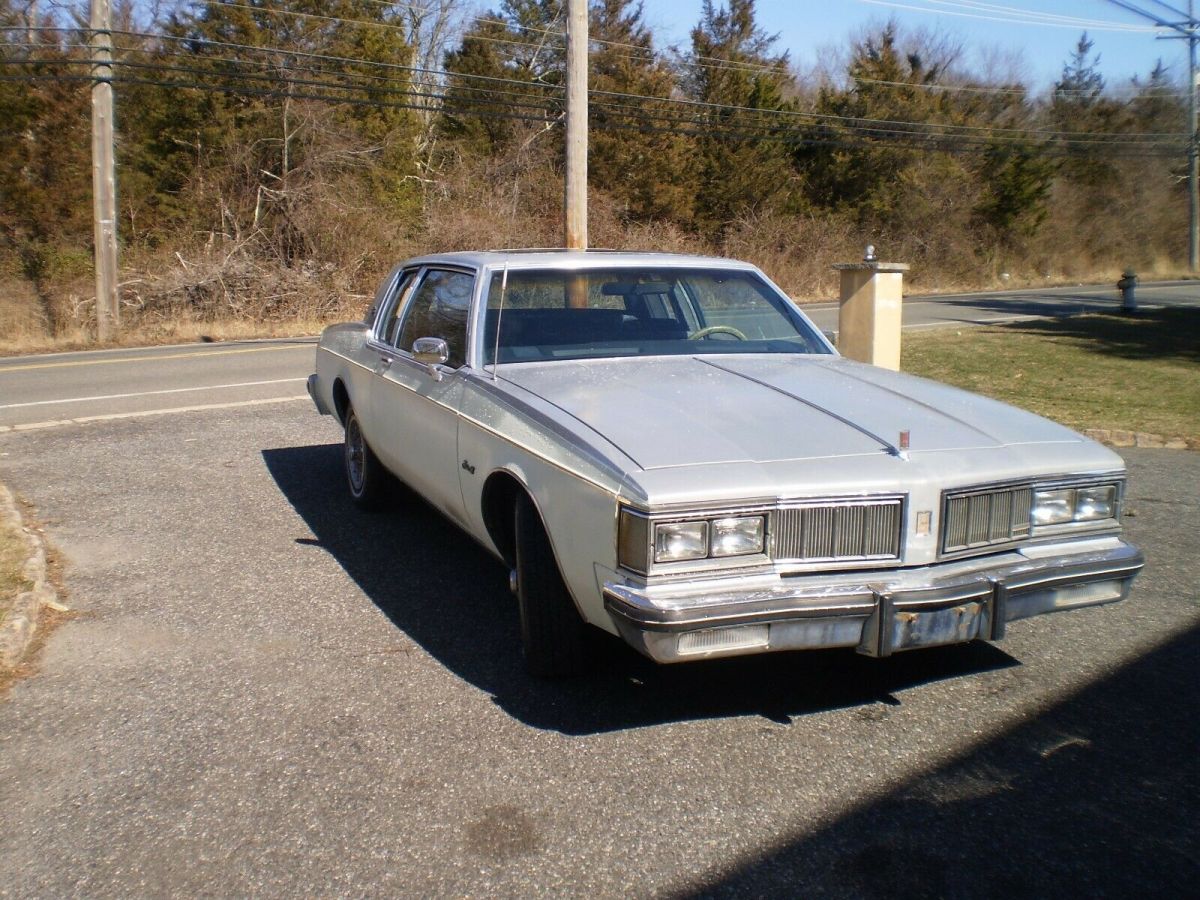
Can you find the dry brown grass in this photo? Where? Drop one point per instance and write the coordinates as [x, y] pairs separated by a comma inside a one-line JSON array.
[[252, 281], [13, 551], [12, 556]]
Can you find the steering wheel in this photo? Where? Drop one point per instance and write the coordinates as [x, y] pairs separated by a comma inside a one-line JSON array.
[[717, 329]]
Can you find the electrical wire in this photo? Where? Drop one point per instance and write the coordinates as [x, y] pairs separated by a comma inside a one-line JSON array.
[[706, 113]]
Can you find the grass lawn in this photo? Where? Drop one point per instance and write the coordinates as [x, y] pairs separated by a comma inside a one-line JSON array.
[[1139, 373]]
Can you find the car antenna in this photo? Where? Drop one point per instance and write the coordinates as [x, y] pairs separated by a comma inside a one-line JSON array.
[[499, 313]]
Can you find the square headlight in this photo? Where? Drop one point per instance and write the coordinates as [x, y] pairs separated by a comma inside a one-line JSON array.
[[1054, 507], [737, 536], [677, 541], [1095, 503]]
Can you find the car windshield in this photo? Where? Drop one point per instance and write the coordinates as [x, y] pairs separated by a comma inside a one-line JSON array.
[[547, 314]]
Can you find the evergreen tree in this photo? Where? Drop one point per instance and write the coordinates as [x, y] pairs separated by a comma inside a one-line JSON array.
[[520, 44], [868, 165], [1080, 111], [743, 158], [647, 170], [45, 163]]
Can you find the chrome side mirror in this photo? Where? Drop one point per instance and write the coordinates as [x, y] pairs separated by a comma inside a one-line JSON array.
[[830, 336], [431, 352]]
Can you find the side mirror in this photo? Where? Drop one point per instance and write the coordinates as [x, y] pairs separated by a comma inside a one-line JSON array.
[[830, 336], [431, 352]]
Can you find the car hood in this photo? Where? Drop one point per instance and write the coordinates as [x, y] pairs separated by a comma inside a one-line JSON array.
[[667, 412]]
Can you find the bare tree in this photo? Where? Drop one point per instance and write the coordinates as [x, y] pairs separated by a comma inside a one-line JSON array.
[[430, 29]]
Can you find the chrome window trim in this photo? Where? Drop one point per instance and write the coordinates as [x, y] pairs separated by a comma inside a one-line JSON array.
[[377, 343], [391, 300]]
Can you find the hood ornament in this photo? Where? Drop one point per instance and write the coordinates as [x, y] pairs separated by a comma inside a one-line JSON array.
[[903, 444]]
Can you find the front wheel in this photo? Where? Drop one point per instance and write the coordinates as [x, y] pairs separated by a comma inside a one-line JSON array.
[[553, 635], [365, 475]]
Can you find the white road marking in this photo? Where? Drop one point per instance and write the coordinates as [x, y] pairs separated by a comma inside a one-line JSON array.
[[211, 387], [109, 417], [198, 354]]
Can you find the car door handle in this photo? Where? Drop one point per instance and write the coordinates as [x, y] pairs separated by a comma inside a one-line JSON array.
[[385, 363]]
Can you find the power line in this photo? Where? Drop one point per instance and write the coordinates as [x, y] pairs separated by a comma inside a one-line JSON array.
[[1027, 17], [646, 121], [859, 123]]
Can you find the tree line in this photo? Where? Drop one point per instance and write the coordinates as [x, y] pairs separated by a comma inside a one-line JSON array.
[[275, 155]]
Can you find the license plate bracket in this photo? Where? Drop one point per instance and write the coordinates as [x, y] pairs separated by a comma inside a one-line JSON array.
[[890, 629]]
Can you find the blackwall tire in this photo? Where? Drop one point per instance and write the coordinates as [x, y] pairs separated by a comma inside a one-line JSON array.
[[553, 636]]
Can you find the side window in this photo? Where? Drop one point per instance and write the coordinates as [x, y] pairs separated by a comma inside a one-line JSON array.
[[393, 304], [439, 308]]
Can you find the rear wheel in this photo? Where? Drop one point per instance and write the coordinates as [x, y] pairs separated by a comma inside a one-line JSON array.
[[553, 635], [365, 475]]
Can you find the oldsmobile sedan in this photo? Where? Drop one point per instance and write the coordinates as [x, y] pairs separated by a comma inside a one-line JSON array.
[[665, 448]]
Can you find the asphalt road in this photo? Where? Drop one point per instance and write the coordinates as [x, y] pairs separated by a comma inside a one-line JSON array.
[[997, 307], [73, 388], [266, 692]]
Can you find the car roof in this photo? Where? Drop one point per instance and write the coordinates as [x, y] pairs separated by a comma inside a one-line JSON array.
[[574, 259]]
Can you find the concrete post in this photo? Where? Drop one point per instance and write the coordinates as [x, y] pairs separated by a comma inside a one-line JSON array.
[[869, 318]]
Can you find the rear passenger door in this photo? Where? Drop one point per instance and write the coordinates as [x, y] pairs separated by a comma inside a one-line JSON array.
[[415, 413]]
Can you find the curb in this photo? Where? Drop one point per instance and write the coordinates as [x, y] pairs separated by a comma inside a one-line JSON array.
[[1116, 437], [20, 625]]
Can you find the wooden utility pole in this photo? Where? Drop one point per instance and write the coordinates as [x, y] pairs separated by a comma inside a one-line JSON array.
[[104, 179], [1193, 150], [577, 124]]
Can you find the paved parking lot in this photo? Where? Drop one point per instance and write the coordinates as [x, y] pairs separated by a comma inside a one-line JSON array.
[[266, 692]]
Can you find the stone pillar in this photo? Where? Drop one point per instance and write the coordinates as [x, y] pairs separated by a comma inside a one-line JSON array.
[[869, 318]]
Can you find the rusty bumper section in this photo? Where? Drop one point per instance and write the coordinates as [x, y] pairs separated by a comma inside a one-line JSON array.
[[879, 614]]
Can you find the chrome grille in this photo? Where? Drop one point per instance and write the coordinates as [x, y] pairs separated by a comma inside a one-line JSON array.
[[838, 531], [984, 518]]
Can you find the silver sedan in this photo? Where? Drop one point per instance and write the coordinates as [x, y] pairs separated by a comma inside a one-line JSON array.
[[664, 448]]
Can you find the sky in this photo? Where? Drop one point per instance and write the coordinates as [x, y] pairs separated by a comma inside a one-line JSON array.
[[1039, 34]]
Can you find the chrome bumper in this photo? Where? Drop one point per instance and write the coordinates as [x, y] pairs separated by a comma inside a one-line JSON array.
[[879, 613]]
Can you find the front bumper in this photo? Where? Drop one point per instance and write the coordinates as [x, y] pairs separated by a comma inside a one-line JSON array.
[[879, 613]]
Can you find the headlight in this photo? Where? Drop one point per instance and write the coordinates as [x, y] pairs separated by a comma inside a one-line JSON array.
[[1054, 507], [736, 537], [1058, 506], [677, 541], [642, 542], [1095, 503]]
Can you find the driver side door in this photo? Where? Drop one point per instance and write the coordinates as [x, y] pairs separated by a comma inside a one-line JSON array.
[[415, 411]]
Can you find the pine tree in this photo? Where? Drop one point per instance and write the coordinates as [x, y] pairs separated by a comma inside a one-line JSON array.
[[647, 170], [1081, 113], [744, 159]]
